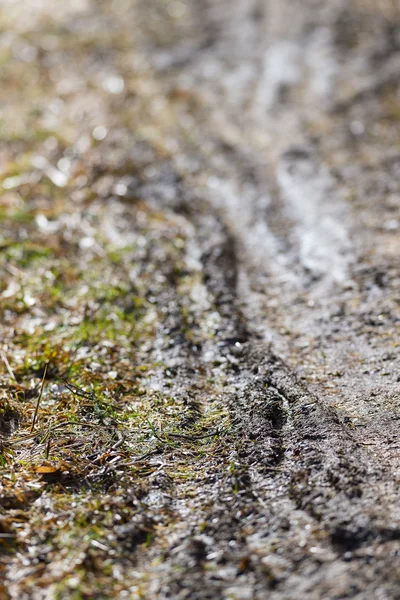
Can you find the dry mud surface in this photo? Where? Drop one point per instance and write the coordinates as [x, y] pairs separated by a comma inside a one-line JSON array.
[[233, 166]]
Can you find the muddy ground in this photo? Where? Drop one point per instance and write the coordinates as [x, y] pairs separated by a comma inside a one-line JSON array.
[[200, 298]]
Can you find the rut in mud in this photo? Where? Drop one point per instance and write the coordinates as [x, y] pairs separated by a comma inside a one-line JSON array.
[[222, 226]]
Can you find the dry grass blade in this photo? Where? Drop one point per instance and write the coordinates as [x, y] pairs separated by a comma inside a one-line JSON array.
[[39, 398], [8, 366], [47, 431]]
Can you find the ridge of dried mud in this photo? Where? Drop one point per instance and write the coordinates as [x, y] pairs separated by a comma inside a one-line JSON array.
[[199, 253]]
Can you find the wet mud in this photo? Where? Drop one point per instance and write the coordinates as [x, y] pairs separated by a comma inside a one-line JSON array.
[[265, 135]]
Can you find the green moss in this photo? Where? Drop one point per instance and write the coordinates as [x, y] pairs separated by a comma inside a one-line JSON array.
[[23, 254]]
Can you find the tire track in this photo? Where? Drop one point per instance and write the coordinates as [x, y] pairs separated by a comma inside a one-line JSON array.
[[287, 433]]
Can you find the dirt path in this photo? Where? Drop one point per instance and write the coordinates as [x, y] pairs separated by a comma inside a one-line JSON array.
[[222, 178]]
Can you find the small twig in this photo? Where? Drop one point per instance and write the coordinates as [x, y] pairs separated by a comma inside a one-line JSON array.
[[39, 397], [47, 452], [14, 270], [193, 437], [120, 441], [8, 366], [80, 423], [260, 500], [143, 457], [77, 391]]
